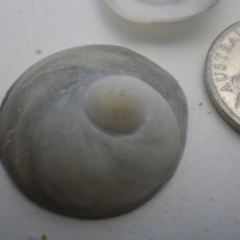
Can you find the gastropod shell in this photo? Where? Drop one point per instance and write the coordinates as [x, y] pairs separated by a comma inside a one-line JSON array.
[[147, 11], [93, 131]]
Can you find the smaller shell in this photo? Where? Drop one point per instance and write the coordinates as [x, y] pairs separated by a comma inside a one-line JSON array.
[[147, 11]]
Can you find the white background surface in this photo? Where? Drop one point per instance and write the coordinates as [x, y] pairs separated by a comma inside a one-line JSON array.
[[202, 200]]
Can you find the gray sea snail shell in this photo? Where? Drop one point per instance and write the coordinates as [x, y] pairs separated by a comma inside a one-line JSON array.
[[159, 10], [93, 131]]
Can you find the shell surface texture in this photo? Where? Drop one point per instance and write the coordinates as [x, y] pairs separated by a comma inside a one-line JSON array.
[[93, 131], [147, 11]]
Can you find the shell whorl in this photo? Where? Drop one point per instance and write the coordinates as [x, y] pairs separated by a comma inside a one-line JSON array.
[[122, 103], [116, 103]]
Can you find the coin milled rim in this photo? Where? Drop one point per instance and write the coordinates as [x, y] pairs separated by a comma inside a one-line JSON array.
[[221, 107]]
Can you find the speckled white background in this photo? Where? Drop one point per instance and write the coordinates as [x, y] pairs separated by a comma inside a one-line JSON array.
[[202, 200]]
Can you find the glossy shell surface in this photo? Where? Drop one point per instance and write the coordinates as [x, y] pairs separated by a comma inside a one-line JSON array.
[[93, 131], [147, 11]]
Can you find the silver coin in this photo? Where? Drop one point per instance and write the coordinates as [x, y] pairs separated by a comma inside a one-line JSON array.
[[222, 75]]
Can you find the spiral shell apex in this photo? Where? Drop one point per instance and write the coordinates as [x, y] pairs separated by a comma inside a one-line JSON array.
[[93, 131]]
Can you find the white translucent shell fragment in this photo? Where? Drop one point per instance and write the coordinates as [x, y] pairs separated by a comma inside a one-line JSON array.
[[93, 131], [147, 11]]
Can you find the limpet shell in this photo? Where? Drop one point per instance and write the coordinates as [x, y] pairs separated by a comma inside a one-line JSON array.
[[93, 131], [147, 11]]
